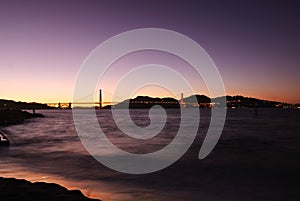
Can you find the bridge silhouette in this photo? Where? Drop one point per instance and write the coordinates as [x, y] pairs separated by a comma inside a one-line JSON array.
[[69, 105], [99, 104]]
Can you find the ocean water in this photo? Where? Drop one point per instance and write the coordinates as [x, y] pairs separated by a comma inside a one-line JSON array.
[[256, 158]]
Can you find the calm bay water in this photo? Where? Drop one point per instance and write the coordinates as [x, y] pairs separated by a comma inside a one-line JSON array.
[[257, 158]]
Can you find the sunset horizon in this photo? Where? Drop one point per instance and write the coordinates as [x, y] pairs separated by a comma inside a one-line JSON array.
[[56, 100], [44, 49], [148, 100]]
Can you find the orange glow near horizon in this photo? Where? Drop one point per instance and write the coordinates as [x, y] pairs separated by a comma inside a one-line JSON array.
[[288, 98], [42, 52]]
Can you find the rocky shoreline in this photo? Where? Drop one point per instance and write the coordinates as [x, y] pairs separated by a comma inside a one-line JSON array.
[[12, 189], [16, 190], [15, 116]]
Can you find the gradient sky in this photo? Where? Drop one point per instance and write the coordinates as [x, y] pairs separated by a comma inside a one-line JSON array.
[[255, 45]]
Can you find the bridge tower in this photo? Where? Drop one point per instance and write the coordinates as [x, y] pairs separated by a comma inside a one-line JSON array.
[[100, 99], [181, 99], [181, 102]]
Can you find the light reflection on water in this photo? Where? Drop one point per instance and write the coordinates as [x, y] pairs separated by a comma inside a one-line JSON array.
[[48, 149]]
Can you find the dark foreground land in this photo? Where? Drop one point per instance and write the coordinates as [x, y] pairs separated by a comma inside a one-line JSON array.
[[16, 190], [15, 116]]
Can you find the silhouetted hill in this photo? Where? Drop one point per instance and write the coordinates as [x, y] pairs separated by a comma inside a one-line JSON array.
[[22, 105], [201, 101], [199, 98], [249, 102], [147, 102]]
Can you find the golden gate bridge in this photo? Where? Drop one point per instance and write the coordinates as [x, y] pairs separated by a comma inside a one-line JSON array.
[[69, 105], [99, 104]]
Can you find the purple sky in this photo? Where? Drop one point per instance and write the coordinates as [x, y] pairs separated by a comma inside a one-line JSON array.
[[255, 45]]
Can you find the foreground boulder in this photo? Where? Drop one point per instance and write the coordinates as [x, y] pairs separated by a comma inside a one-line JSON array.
[[16, 190]]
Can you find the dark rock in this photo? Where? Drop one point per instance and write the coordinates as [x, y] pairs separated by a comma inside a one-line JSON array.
[[14, 116], [16, 190]]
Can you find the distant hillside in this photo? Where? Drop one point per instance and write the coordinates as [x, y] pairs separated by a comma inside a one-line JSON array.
[[148, 102], [248, 102], [10, 104], [201, 101]]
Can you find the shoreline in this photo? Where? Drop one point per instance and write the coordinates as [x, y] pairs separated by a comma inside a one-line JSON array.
[[12, 189], [15, 116]]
